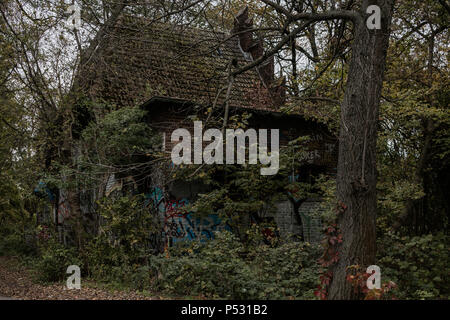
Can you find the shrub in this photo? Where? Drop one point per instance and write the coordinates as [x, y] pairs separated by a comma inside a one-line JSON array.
[[290, 270], [17, 225], [18, 244], [123, 245], [102, 260], [223, 268], [213, 269], [418, 265], [54, 260]]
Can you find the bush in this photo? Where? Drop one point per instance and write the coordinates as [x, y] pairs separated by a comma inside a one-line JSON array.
[[115, 265], [17, 225], [213, 269], [123, 245], [18, 244], [223, 269], [54, 260], [102, 260], [290, 270], [418, 265]]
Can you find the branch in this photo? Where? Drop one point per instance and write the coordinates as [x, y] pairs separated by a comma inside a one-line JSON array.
[[330, 15], [9, 125], [278, 8], [274, 50], [319, 99], [320, 16], [310, 18], [90, 51], [445, 5]]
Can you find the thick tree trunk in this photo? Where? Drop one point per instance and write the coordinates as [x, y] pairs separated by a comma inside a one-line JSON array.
[[357, 177]]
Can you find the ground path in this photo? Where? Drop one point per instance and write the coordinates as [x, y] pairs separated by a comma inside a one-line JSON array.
[[16, 283]]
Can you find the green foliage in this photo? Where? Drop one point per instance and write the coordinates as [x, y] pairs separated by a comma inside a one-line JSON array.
[[223, 268], [123, 240], [289, 270], [327, 189], [16, 244], [413, 143], [128, 221], [418, 265], [53, 262], [103, 260], [17, 229], [118, 141], [214, 270], [239, 192]]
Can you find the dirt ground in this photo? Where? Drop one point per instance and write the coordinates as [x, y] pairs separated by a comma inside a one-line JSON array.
[[16, 283]]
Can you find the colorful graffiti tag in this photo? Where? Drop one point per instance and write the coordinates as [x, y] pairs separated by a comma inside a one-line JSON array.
[[180, 225], [63, 207]]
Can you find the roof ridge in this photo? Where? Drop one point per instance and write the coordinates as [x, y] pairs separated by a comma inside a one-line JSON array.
[[149, 22]]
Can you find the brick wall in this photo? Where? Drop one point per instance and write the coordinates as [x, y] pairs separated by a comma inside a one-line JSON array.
[[310, 226], [286, 221], [310, 211], [166, 117]]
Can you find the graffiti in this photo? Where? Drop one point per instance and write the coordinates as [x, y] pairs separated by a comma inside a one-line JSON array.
[[294, 189], [44, 215], [63, 206], [43, 191], [180, 225]]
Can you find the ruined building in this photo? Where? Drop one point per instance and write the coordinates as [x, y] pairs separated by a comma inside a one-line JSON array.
[[173, 72]]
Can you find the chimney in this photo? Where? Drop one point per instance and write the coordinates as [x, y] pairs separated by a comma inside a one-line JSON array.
[[242, 26]]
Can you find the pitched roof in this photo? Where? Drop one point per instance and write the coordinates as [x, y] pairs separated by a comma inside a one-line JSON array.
[[137, 61]]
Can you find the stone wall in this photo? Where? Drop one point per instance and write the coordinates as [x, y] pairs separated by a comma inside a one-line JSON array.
[[311, 223], [306, 223], [288, 224]]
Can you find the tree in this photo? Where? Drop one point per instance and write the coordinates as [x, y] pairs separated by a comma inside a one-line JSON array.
[[357, 178], [357, 175], [425, 76]]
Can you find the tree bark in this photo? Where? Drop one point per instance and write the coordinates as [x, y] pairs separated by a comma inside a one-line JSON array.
[[357, 176]]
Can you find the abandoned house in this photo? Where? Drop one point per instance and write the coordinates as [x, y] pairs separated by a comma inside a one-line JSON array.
[[173, 72]]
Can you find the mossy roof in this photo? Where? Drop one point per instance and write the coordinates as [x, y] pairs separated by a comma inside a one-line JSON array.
[[138, 60]]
